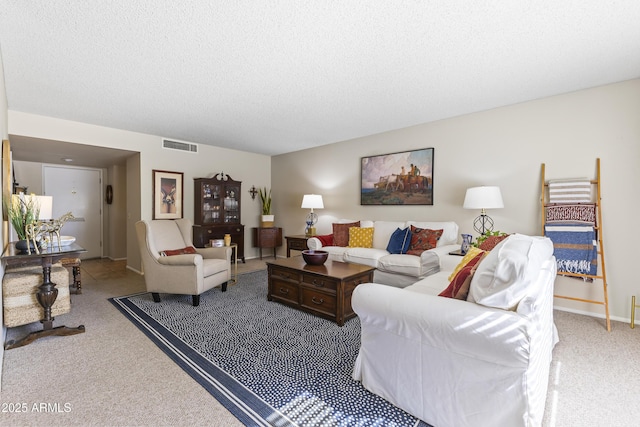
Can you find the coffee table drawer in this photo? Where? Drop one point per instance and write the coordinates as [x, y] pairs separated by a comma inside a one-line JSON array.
[[320, 282], [285, 273], [284, 290], [318, 302]]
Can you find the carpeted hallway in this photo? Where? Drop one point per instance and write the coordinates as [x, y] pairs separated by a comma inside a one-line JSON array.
[[112, 375]]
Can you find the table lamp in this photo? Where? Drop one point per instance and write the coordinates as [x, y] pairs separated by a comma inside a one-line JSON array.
[[483, 198], [311, 201]]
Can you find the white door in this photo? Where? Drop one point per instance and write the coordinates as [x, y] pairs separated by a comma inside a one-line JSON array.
[[79, 191]]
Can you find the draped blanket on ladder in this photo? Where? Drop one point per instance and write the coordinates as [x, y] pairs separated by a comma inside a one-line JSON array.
[[571, 227]]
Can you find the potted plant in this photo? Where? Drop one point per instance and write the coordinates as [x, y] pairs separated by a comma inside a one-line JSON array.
[[265, 197], [21, 211]]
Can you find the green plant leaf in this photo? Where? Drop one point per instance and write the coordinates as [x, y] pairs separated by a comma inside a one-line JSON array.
[[265, 198]]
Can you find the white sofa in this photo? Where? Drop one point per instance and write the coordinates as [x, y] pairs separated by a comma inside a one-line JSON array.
[[453, 362], [398, 270]]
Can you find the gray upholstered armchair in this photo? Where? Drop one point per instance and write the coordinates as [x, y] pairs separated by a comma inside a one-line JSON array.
[[185, 273]]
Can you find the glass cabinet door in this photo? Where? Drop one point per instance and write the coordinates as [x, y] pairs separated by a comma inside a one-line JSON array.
[[211, 204], [232, 204]]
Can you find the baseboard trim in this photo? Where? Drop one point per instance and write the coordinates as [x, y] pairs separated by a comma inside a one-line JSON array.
[[591, 314]]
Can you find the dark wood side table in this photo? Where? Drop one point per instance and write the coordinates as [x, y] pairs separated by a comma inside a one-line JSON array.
[[47, 292], [267, 237], [297, 243]]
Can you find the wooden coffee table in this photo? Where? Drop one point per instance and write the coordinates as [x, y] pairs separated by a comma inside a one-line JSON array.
[[323, 290]]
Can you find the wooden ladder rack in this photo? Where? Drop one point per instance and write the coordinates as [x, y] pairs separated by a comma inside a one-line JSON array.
[[599, 235]]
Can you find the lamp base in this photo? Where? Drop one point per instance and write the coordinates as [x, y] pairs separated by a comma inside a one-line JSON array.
[[483, 224], [310, 231]]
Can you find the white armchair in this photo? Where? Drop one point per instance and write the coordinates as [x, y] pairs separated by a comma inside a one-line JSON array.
[[186, 274]]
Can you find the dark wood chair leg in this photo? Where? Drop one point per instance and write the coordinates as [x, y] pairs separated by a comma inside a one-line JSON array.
[[196, 300], [77, 280], [156, 296], [224, 287]]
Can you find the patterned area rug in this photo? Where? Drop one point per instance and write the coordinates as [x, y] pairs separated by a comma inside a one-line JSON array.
[[266, 363]]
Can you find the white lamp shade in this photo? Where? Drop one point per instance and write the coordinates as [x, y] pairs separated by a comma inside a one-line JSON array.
[[484, 197], [312, 201]]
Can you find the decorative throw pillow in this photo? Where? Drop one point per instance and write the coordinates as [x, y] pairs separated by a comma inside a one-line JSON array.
[[400, 241], [361, 237], [423, 239], [171, 252], [341, 233], [326, 240], [459, 286], [473, 251], [492, 241]]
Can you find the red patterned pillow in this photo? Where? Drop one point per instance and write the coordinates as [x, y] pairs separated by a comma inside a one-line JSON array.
[[423, 239], [341, 233], [491, 242], [171, 252], [326, 240], [459, 286]]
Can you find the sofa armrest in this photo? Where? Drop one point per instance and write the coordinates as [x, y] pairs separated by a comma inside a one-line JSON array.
[[314, 243], [223, 252], [465, 328]]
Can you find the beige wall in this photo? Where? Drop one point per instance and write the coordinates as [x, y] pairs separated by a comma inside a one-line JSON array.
[[504, 147], [116, 213], [250, 168]]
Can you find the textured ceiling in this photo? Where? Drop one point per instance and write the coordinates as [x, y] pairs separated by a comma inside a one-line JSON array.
[[279, 76]]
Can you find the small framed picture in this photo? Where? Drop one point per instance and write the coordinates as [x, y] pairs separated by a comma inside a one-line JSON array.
[[167, 194]]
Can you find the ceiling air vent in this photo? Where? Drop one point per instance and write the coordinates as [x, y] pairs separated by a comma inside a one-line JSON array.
[[179, 145]]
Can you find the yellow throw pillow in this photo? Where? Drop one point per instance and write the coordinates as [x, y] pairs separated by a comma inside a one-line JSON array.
[[360, 237], [471, 254]]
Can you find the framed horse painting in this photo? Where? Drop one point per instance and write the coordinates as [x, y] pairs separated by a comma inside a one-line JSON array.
[[167, 195], [404, 178]]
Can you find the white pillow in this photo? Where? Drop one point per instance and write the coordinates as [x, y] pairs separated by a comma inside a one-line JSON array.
[[503, 277]]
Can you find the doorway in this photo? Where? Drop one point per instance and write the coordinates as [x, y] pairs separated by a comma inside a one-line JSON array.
[[79, 191]]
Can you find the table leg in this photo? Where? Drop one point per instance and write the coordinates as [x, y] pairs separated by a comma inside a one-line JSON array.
[[47, 294]]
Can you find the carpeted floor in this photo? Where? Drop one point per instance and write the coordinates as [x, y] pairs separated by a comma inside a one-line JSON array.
[[113, 375], [286, 366]]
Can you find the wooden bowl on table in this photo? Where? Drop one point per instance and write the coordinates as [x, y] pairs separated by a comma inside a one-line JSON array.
[[315, 257]]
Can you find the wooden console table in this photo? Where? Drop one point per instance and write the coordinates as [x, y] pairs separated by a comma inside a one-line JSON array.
[[323, 290], [47, 292]]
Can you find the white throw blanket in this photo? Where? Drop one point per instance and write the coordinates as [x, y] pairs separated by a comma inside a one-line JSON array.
[[570, 191]]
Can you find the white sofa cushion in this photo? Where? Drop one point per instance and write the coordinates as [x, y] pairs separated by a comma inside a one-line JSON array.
[[365, 256], [504, 276], [449, 230], [410, 265]]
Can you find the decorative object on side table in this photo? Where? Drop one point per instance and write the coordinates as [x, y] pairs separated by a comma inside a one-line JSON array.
[[483, 198], [24, 213], [315, 257], [311, 201], [267, 218], [466, 243]]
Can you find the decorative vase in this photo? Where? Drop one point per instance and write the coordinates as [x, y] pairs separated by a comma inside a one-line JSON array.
[[267, 221], [25, 245], [227, 239], [466, 243]]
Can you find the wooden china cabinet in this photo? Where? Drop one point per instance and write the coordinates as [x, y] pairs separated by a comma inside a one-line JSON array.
[[217, 211]]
